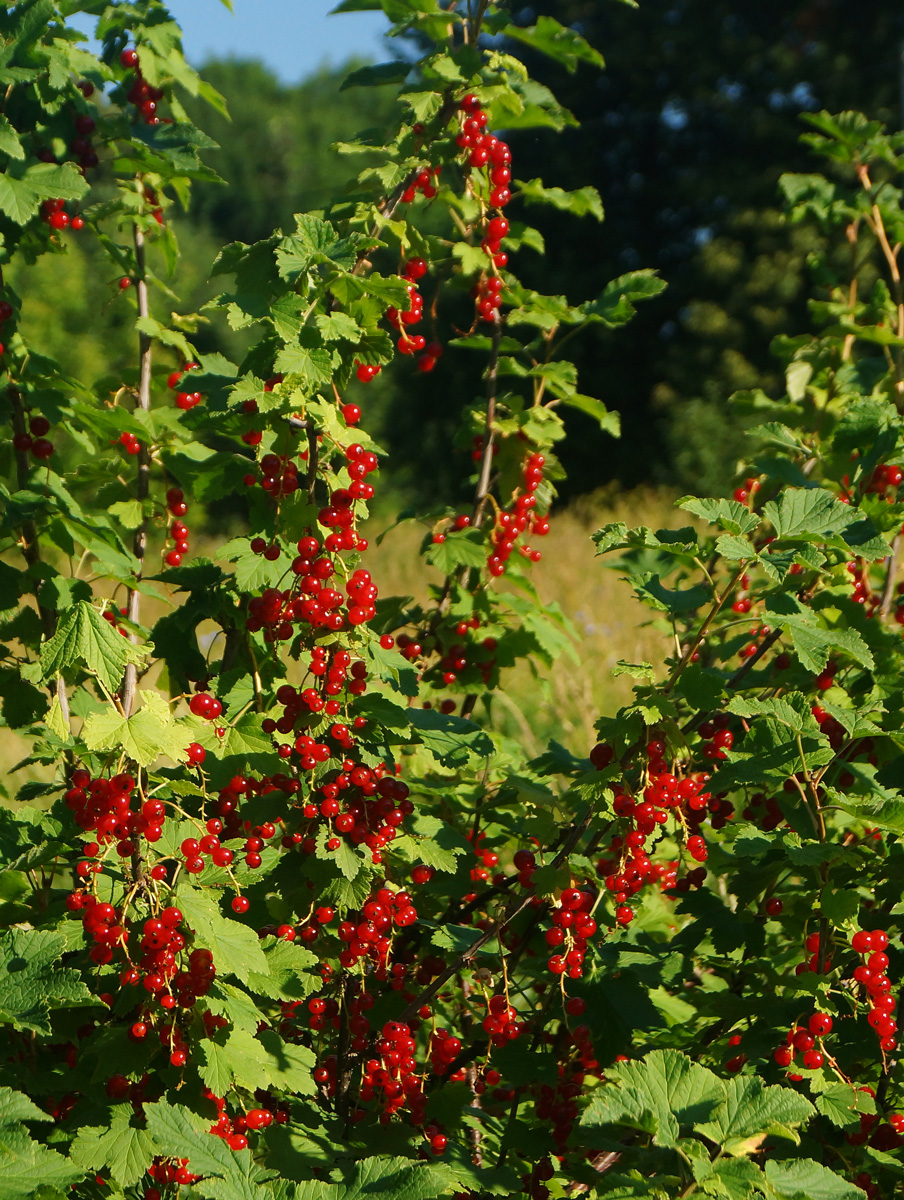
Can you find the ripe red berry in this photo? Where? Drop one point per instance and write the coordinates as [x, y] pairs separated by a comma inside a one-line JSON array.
[[820, 1024], [129, 58]]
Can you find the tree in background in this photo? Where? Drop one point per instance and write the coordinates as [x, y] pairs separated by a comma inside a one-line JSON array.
[[686, 134]]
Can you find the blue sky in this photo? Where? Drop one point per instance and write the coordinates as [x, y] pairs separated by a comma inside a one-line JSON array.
[[293, 37]]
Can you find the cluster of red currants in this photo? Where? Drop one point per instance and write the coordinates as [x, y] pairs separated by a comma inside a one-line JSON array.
[[764, 811], [871, 945], [558, 1104], [205, 706], [178, 531], [175, 382], [369, 936], [747, 493], [484, 151], [233, 1129], [112, 617], [631, 868], [444, 1050], [803, 1039], [168, 1171], [402, 321], [572, 927], [194, 849], [424, 183], [193, 983], [104, 806], [53, 212], [35, 441], [884, 1136], [279, 478], [520, 518], [391, 1076], [886, 477], [371, 810], [501, 1022], [141, 94], [312, 600]]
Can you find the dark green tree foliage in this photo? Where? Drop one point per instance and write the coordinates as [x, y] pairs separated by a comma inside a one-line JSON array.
[[686, 133]]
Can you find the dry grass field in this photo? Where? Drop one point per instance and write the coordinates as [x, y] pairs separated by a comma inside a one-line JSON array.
[[560, 702]]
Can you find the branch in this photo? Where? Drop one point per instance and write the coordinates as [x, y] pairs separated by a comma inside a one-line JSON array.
[[489, 433], [891, 565], [31, 549], [143, 402]]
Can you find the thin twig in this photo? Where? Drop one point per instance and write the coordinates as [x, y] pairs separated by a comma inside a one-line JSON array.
[[577, 832]]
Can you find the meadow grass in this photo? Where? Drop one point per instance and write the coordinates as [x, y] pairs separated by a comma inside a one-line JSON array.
[[564, 700]]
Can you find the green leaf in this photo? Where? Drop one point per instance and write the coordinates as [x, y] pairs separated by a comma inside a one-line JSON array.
[[808, 513], [450, 739], [750, 1111], [433, 843], [609, 422], [564, 45], [147, 734], [791, 710], [651, 590], [804, 1179], [812, 641], [245, 738], [729, 1178], [617, 536], [32, 983], [125, 1147], [289, 1068], [309, 360], [56, 721], [16, 1107], [735, 549], [700, 686], [84, 637], [842, 1104], [615, 305], [664, 1091], [232, 1058], [839, 906], [458, 939], [728, 514], [10, 145], [286, 974], [236, 949], [25, 1165], [129, 513], [166, 337], [460, 548], [579, 203]]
